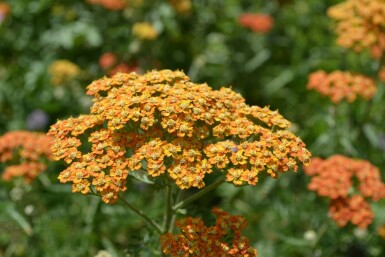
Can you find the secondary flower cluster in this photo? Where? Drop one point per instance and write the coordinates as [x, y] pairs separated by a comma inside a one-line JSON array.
[[339, 85], [360, 25], [201, 241], [144, 30], [62, 71], [334, 178], [25, 152], [258, 22], [381, 231], [110, 4], [163, 123]]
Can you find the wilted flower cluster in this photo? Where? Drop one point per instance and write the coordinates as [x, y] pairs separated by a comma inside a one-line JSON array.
[[24, 152], [222, 239], [339, 85], [110, 4], [109, 62], [360, 25], [163, 123], [258, 22], [335, 178], [181, 6], [62, 71], [144, 30]]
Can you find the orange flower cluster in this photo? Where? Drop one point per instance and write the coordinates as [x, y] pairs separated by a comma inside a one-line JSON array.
[[360, 25], [181, 6], [165, 124], [108, 61], [258, 22], [5, 9], [110, 4], [26, 149], [381, 231], [144, 30], [333, 178], [62, 71], [201, 241], [340, 85]]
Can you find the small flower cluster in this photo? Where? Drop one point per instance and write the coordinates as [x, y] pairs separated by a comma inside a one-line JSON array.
[[144, 30], [258, 22], [109, 62], [27, 150], [340, 85], [110, 4], [165, 124], [360, 25], [181, 6], [63, 71], [201, 241], [333, 178]]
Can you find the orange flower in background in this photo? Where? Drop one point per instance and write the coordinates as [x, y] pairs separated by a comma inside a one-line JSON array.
[[181, 6], [166, 125], [258, 22], [198, 240], [339, 85], [124, 68], [107, 60], [63, 71], [22, 152], [5, 9], [360, 25], [381, 74], [334, 177], [110, 4], [381, 231], [144, 30]]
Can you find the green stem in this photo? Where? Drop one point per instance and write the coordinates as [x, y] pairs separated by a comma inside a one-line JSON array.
[[199, 194], [168, 214], [157, 228]]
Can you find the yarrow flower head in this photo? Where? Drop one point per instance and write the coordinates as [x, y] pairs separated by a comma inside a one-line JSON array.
[[333, 178], [24, 152], [222, 239], [360, 25], [258, 22], [168, 126], [63, 71], [107, 60], [110, 4], [339, 85], [144, 30]]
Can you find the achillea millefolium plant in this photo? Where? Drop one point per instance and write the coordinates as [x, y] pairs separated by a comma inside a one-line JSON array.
[[171, 129]]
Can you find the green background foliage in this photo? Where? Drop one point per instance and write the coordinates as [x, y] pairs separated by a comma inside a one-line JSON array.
[[209, 44]]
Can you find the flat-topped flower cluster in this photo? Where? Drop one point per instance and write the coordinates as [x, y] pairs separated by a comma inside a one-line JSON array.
[[198, 240], [334, 178], [339, 85], [24, 153], [360, 25], [166, 125]]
